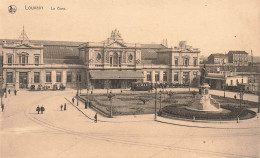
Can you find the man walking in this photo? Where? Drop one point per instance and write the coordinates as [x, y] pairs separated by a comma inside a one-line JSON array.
[[65, 107], [42, 109], [2, 106], [86, 104], [15, 91], [9, 91], [61, 106], [38, 109], [95, 118], [72, 100]]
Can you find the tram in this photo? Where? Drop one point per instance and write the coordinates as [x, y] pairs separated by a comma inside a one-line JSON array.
[[141, 86]]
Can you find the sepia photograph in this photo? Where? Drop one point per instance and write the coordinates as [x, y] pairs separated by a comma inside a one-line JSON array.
[[130, 79]]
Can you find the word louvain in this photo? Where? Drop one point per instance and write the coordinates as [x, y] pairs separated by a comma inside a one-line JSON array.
[[33, 7]]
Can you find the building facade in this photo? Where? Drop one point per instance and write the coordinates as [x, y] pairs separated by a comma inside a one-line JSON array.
[[218, 58], [112, 63], [238, 58]]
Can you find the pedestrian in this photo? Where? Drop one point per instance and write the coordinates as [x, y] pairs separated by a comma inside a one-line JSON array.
[[65, 107], [2, 106], [235, 96], [9, 91], [95, 118], [72, 100], [42, 109], [15, 91], [86, 104], [38, 109], [61, 106]]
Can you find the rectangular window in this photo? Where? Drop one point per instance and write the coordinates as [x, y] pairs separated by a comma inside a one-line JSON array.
[[48, 76], [165, 76], [149, 78], [231, 82], [195, 61], [156, 76], [176, 61], [58, 76], [119, 61], [195, 74], [111, 61], [23, 59], [237, 82], [10, 59], [9, 77], [176, 76], [36, 60], [36, 77], [69, 76], [79, 77]]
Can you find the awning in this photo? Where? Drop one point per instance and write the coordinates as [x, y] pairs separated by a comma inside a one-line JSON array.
[[109, 74]]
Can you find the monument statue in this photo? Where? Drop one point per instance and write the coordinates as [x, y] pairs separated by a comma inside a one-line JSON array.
[[203, 75], [203, 100]]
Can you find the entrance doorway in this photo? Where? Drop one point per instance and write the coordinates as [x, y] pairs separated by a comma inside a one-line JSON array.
[[23, 80]]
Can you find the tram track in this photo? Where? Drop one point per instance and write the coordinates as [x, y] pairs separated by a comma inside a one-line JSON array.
[[105, 137]]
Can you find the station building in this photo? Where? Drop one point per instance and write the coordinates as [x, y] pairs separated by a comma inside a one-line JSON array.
[[112, 63]]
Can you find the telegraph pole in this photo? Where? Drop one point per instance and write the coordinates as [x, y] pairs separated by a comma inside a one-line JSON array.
[[258, 93], [77, 93], [155, 101]]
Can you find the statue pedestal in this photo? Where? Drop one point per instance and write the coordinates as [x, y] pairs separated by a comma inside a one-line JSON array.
[[204, 102]]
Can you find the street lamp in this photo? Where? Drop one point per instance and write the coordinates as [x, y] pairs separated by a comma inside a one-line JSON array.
[[160, 100], [155, 101], [77, 93], [224, 90], [110, 97]]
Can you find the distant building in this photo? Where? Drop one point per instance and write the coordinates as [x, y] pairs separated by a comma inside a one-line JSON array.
[[238, 58], [228, 79], [218, 58]]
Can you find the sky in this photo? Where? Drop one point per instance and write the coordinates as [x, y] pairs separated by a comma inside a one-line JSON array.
[[214, 26]]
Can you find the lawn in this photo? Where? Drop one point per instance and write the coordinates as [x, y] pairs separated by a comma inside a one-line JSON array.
[[144, 103]]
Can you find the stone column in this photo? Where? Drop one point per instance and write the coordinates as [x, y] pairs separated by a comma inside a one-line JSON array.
[[190, 77], [53, 77], [161, 76], [180, 77], [16, 80], [42, 77], [74, 79], [64, 77], [153, 77], [30, 78]]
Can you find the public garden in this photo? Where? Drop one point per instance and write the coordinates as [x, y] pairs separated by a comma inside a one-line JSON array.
[[168, 102]]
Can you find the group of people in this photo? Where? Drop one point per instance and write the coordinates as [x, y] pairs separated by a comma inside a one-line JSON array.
[[63, 107], [40, 109], [15, 91]]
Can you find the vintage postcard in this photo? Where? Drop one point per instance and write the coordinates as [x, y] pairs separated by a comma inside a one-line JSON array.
[[129, 78]]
